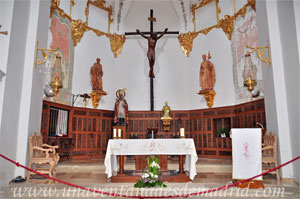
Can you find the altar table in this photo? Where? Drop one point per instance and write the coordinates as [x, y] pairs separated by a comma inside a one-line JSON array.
[[151, 147]]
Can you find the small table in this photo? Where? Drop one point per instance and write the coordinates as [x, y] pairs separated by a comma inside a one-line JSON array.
[[123, 147]]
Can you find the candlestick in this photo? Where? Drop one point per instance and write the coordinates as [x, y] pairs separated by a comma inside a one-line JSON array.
[[182, 132], [152, 134], [119, 133], [115, 133]]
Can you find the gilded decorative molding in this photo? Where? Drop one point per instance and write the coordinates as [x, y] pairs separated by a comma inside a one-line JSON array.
[[207, 30], [101, 4], [116, 43], [243, 10], [96, 97], [209, 97], [186, 42], [227, 25], [97, 32], [54, 6], [78, 29], [203, 3], [234, 6], [56, 2], [72, 3], [45, 54], [260, 52]]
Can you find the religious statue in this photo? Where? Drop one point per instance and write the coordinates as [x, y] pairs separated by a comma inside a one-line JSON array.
[[121, 108], [96, 76], [166, 110], [166, 118], [152, 39], [207, 74]]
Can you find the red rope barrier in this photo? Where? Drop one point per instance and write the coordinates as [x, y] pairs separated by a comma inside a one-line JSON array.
[[142, 197]]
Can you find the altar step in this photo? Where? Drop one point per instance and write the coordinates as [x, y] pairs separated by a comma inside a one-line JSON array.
[[205, 167]]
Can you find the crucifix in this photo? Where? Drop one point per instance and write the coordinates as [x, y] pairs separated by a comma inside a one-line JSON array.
[[152, 39]]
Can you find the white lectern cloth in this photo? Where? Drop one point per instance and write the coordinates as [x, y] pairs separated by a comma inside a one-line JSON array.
[[246, 153], [151, 147]]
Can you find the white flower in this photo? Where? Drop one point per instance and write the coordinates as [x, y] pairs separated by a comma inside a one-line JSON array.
[[156, 176], [154, 164]]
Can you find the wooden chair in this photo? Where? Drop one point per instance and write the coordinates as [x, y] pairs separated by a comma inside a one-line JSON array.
[[43, 157], [269, 154]]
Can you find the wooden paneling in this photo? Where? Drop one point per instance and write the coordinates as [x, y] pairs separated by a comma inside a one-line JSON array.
[[240, 116], [91, 128]]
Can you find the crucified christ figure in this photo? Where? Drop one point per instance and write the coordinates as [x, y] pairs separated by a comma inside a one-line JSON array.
[[152, 39]]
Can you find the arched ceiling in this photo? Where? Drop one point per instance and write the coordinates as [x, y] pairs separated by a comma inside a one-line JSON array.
[[132, 14]]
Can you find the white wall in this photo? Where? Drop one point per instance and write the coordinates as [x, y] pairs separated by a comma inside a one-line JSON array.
[[22, 104], [6, 10], [13, 89], [290, 52], [297, 21], [270, 102], [277, 45]]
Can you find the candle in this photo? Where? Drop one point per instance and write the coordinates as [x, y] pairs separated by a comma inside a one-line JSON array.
[[119, 133], [115, 133], [181, 132]]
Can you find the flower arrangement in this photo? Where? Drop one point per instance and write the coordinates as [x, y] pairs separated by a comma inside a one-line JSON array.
[[150, 177]]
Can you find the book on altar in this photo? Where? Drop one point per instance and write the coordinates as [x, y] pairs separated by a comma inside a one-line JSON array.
[[246, 153]]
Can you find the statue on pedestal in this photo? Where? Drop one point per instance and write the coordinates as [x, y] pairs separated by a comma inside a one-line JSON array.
[[97, 85], [166, 118], [96, 76], [121, 108], [207, 74], [207, 80]]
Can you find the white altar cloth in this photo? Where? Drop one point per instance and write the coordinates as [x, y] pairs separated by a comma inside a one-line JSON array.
[[151, 147]]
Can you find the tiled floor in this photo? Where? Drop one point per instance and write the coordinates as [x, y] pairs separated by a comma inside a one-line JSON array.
[[211, 173]]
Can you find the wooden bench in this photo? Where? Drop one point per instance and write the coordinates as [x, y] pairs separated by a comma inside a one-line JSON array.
[[43, 157]]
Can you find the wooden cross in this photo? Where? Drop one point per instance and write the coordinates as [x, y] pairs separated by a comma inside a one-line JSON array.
[[151, 19]]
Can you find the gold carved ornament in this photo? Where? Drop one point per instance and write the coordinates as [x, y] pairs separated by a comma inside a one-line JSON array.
[[96, 97], [72, 3], [166, 118], [186, 42], [209, 96], [203, 3], [227, 24], [78, 28], [260, 52], [101, 5], [45, 54], [116, 43]]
